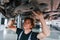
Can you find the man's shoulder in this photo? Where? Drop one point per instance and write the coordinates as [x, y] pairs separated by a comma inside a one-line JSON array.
[[35, 33], [19, 29], [34, 36]]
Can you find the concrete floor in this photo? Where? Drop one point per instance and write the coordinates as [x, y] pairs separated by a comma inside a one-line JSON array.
[[55, 35], [1, 35]]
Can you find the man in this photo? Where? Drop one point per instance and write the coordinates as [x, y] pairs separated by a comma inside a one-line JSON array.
[[27, 34]]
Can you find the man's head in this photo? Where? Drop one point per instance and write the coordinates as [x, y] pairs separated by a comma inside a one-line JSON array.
[[28, 23]]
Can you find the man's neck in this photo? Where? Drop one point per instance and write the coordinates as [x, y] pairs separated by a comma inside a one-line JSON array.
[[27, 31]]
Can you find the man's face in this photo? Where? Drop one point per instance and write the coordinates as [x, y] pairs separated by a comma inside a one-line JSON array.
[[27, 24]]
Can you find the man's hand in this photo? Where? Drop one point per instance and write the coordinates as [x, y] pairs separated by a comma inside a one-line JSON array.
[[38, 15]]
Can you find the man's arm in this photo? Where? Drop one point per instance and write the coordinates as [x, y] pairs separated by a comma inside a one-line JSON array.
[[45, 29], [13, 29]]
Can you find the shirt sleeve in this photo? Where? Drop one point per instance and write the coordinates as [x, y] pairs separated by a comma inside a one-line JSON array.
[[18, 30], [34, 36]]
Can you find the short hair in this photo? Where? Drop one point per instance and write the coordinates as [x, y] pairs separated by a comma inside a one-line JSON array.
[[31, 19]]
